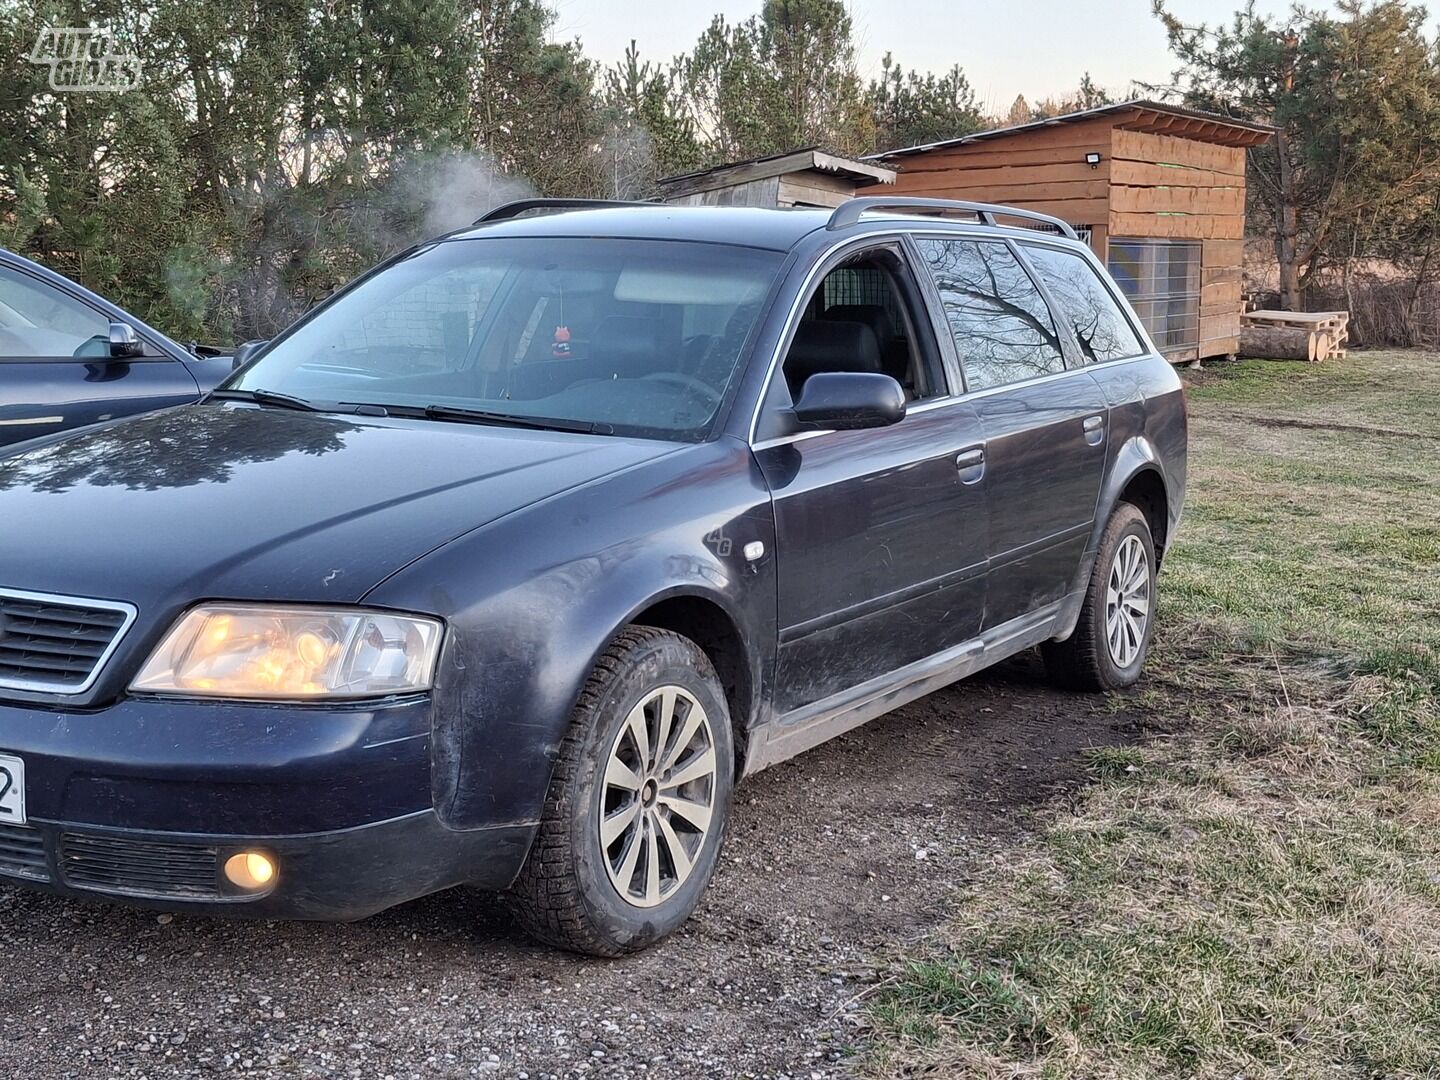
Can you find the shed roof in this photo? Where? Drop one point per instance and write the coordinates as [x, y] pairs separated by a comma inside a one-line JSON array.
[[804, 159], [1136, 115]]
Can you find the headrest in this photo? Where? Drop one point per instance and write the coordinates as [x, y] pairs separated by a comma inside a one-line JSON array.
[[630, 346], [830, 345], [875, 316]]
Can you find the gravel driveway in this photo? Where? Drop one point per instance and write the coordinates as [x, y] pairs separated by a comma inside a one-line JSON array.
[[834, 858]]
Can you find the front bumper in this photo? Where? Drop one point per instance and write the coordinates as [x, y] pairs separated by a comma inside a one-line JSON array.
[[143, 802], [334, 876]]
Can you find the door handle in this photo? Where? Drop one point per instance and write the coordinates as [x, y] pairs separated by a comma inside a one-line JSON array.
[[971, 464], [1094, 430]]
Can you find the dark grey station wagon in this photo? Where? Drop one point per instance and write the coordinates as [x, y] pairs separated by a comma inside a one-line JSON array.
[[505, 564]]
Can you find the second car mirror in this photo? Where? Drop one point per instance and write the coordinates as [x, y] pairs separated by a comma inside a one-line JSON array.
[[124, 342], [847, 400]]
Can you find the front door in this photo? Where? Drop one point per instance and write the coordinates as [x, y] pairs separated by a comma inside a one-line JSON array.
[[881, 533], [55, 366], [1044, 423]]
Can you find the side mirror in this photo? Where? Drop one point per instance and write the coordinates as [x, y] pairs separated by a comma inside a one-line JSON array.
[[246, 351], [848, 400], [124, 342]]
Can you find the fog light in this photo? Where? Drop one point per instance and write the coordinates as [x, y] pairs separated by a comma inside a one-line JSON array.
[[250, 870]]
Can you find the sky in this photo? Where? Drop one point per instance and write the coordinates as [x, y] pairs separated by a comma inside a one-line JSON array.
[[1005, 47]]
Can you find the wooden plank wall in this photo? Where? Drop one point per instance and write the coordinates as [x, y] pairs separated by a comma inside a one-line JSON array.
[[763, 192], [1043, 170], [813, 188], [1146, 186], [1166, 186]]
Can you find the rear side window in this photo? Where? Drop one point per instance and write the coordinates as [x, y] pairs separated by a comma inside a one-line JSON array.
[[1003, 330], [1100, 326]]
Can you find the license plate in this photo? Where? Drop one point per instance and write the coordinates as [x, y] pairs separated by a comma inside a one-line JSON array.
[[12, 790]]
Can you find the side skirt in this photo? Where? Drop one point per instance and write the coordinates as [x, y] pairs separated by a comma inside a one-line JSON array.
[[809, 726]]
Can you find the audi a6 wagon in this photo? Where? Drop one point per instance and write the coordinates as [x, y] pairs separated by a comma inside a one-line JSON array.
[[502, 567]]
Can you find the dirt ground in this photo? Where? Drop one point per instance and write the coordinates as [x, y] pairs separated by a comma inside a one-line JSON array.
[[834, 860]]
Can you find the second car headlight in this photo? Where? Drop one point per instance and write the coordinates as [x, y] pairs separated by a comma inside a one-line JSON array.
[[247, 651]]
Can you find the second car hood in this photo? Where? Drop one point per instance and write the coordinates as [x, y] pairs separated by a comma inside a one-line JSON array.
[[250, 503]]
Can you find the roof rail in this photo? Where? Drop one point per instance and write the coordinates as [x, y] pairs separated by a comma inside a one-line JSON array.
[[508, 210], [848, 213]]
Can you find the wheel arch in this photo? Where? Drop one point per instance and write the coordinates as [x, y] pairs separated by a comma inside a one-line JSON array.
[[1137, 476], [707, 621], [1145, 490]]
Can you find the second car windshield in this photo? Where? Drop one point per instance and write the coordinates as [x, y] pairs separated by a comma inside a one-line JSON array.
[[631, 336]]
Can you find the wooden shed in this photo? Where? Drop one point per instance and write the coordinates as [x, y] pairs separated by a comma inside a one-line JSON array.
[[1158, 191], [806, 177]]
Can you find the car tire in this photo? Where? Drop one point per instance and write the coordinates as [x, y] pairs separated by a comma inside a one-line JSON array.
[[1108, 647], [588, 884]]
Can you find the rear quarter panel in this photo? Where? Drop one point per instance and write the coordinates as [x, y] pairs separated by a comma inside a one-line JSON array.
[[1147, 429]]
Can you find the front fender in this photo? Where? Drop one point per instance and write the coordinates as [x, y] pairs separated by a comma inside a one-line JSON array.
[[532, 600]]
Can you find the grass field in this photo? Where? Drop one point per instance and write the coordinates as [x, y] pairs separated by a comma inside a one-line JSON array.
[[1255, 890]]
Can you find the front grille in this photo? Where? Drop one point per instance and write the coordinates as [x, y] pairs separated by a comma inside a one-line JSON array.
[[139, 867], [22, 853], [57, 644]]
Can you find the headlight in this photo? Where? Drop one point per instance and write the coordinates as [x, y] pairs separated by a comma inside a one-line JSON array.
[[243, 651]]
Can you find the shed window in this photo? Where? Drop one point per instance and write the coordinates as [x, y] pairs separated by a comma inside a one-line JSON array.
[[1161, 279]]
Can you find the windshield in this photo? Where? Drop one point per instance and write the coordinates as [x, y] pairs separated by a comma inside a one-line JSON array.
[[635, 337]]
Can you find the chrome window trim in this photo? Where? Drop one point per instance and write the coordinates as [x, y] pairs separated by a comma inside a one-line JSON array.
[[960, 399], [928, 405], [34, 686]]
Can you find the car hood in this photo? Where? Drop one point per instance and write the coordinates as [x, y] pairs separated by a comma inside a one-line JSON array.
[[248, 503]]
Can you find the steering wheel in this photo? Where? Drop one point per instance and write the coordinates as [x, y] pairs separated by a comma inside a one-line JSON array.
[[688, 382]]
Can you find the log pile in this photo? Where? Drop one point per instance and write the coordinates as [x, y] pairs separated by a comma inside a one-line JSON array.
[[1295, 335]]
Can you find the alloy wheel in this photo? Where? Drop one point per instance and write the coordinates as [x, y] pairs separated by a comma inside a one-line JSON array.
[[1127, 602], [657, 797]]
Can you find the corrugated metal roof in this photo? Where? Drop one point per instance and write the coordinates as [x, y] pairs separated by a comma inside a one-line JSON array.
[[1244, 132], [800, 159]]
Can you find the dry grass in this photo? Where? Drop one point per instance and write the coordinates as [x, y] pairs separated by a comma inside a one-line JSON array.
[[1259, 895]]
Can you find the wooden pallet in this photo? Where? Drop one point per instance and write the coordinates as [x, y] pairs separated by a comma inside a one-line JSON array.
[[1295, 335]]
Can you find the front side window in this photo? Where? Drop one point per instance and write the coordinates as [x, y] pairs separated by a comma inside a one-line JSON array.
[[38, 320], [639, 337], [858, 319], [1100, 326], [1002, 328]]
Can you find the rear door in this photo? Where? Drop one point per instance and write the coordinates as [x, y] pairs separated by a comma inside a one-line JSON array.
[[55, 366], [881, 533], [1044, 421]]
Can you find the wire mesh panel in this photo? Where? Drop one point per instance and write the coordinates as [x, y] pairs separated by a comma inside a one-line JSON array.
[[1161, 279], [1082, 232], [858, 285]]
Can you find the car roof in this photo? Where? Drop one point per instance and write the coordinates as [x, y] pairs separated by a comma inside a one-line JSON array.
[[746, 226], [775, 229]]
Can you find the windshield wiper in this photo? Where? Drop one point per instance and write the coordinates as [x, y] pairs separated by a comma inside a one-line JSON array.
[[480, 416], [265, 397]]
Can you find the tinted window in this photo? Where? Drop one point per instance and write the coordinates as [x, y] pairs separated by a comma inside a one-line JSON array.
[[39, 320], [637, 336], [1003, 330], [1100, 326]]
